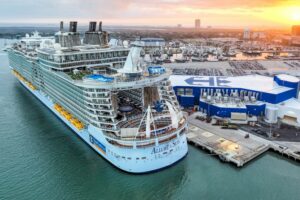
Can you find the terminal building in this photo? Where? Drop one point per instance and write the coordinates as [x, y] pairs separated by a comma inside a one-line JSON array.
[[241, 97]]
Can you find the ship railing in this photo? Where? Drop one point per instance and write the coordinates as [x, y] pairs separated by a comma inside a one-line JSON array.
[[118, 82], [151, 139], [123, 82], [139, 117], [140, 143]]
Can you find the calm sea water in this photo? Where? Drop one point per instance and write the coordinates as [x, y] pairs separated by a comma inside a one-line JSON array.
[[40, 158]]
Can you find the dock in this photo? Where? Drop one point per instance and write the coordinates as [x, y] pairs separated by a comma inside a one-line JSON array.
[[232, 145], [288, 149]]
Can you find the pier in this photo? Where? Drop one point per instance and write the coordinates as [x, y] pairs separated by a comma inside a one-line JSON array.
[[235, 146]]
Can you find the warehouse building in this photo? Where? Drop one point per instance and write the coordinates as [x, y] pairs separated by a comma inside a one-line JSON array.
[[235, 97]]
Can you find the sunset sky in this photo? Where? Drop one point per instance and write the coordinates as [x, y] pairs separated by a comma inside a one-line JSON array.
[[220, 13]]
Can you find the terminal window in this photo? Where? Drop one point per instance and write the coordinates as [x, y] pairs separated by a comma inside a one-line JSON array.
[[188, 91], [180, 91]]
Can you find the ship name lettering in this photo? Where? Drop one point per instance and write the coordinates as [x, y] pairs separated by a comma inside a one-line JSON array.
[[156, 150]]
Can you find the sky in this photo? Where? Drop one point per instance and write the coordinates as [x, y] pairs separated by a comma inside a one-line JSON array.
[[215, 13]]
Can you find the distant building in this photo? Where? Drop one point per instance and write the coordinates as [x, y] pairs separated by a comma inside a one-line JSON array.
[[284, 39], [152, 43], [258, 35], [296, 30], [197, 23], [289, 40], [246, 35], [179, 26], [295, 41]]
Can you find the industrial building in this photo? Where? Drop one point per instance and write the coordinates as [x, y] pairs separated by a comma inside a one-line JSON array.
[[241, 97]]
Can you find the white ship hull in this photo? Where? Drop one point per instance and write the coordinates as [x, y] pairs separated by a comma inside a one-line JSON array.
[[132, 160]]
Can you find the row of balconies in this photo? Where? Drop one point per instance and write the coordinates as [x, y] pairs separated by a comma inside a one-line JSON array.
[[132, 96], [99, 101], [81, 57], [166, 87], [94, 101], [166, 83], [97, 95], [88, 90], [101, 107], [74, 109]]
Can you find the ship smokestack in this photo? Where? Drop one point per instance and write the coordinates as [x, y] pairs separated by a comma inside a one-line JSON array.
[[92, 26], [73, 27], [61, 26], [100, 26]]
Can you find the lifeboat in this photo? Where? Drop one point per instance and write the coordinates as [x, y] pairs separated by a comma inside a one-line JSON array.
[[68, 117], [79, 125]]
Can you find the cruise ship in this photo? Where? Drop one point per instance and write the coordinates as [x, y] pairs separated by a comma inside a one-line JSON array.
[[126, 111]]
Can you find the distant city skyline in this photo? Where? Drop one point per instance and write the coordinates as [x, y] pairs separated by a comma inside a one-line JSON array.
[[216, 13]]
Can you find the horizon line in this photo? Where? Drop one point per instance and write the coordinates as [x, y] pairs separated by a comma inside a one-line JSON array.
[[45, 24]]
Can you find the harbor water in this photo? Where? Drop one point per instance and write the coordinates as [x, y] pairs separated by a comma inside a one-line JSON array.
[[40, 158]]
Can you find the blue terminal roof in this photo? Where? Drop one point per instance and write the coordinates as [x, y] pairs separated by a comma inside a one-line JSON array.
[[257, 83]]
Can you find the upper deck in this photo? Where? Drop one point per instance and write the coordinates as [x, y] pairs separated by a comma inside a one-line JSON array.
[[118, 82], [77, 56]]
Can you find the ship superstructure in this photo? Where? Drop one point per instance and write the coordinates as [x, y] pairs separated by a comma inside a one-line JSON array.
[[126, 111]]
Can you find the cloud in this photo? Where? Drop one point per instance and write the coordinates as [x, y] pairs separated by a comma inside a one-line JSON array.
[[214, 3], [147, 12], [60, 8]]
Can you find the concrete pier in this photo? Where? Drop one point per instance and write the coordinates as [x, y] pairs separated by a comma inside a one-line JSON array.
[[232, 145], [288, 149]]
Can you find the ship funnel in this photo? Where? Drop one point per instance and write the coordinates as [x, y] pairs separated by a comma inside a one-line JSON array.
[[61, 26], [73, 27], [92, 26], [68, 40], [100, 26]]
